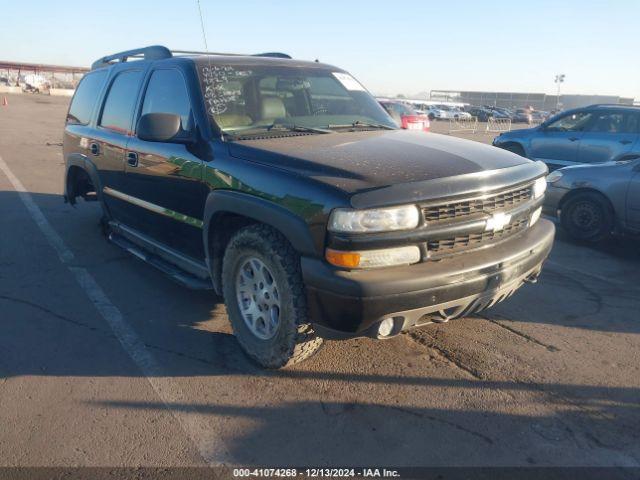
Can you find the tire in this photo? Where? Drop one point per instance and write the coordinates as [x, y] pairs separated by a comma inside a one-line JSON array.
[[587, 217], [432, 117], [292, 340], [515, 148]]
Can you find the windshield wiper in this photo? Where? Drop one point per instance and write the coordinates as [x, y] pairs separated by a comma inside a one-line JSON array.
[[274, 127], [358, 123], [296, 128]]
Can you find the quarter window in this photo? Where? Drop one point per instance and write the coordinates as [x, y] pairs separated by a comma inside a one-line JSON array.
[[607, 122], [121, 99], [167, 93], [633, 123], [85, 98]]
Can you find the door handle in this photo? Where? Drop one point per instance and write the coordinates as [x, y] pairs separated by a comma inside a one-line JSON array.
[[573, 139], [132, 159], [94, 148], [625, 142]]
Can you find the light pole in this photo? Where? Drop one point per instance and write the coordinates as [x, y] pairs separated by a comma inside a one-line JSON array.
[[559, 79]]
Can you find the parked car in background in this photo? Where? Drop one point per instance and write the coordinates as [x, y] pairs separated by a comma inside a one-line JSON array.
[[592, 201], [595, 134], [522, 115], [499, 112], [434, 112], [448, 112], [483, 114], [405, 116], [459, 113], [538, 116]]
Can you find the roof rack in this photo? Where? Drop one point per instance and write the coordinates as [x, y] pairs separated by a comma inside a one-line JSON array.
[[612, 105], [159, 52], [272, 54], [266, 54], [154, 52]]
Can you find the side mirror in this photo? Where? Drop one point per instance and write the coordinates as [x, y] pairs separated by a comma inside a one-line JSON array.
[[160, 127]]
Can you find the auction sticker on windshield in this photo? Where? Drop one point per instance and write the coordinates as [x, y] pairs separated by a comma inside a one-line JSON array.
[[348, 81]]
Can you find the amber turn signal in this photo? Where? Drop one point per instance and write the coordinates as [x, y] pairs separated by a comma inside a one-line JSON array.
[[342, 259]]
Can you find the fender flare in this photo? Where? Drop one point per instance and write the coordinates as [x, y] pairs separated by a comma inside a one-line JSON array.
[[81, 161], [293, 227]]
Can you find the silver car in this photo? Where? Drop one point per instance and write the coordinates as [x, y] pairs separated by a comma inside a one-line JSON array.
[[593, 201]]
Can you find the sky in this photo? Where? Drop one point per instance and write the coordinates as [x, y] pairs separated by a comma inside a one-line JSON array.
[[392, 47]]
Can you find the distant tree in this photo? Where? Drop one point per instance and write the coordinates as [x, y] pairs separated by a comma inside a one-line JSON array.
[[400, 95]]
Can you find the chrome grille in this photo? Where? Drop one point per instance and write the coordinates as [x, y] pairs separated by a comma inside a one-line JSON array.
[[459, 243], [483, 205]]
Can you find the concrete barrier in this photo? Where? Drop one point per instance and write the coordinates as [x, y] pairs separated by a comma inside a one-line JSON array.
[[8, 89], [61, 92]]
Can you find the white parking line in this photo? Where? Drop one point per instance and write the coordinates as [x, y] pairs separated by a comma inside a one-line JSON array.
[[211, 449]]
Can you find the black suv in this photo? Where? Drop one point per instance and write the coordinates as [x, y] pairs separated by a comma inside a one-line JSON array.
[[286, 188]]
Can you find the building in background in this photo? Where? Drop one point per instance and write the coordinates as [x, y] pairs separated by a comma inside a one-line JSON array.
[[539, 101], [39, 76]]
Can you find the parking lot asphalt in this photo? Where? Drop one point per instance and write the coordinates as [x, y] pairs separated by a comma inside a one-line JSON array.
[[106, 362]]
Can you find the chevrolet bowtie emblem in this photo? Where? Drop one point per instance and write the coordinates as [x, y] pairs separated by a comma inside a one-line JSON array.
[[497, 222]]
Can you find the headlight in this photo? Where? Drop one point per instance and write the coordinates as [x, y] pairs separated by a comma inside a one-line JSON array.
[[539, 187], [554, 176], [374, 219]]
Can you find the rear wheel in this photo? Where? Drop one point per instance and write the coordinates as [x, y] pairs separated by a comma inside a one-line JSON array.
[[587, 217], [265, 298]]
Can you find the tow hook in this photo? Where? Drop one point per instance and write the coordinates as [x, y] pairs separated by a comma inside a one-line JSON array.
[[533, 278]]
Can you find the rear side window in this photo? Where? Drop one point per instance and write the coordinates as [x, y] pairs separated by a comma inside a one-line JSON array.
[[167, 93], [633, 123], [85, 98], [614, 122], [121, 99]]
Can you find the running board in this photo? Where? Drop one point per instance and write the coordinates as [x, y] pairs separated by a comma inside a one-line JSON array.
[[175, 273]]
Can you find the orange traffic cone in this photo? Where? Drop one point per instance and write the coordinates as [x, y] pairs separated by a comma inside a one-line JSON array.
[[5, 102]]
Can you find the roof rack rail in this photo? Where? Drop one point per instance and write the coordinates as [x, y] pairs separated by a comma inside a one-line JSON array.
[[266, 54], [154, 52], [195, 52], [272, 54], [612, 105], [159, 52]]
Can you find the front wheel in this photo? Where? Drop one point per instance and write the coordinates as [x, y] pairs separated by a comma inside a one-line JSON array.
[[265, 298], [587, 217]]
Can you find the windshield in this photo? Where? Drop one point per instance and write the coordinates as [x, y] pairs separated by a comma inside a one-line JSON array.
[[244, 99]]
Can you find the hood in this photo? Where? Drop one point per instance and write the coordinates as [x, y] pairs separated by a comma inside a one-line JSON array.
[[519, 133], [357, 161]]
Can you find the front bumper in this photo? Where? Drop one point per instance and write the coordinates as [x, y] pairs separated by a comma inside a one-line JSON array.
[[552, 199], [352, 303]]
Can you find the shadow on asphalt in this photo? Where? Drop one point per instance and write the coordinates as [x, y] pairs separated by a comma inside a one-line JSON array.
[[300, 432], [625, 247]]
